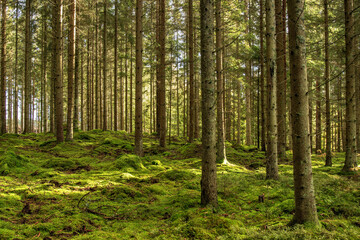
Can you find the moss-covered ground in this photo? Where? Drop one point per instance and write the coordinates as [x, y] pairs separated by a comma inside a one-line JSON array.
[[95, 188]]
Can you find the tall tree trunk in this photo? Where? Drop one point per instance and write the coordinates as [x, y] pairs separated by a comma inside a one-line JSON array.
[[27, 127], [248, 80], [191, 76], [71, 55], [262, 79], [58, 82], [3, 69], [44, 74], [272, 156], [76, 76], [115, 67], [305, 208], [105, 68], [281, 78], [327, 87], [15, 112], [220, 154], [350, 143], [161, 86], [131, 89], [318, 118], [139, 69], [121, 103], [208, 177]]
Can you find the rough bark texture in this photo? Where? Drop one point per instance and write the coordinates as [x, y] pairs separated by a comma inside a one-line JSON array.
[[272, 156], [115, 67], [27, 128], [161, 79], [318, 118], [220, 154], [305, 208], [281, 78], [139, 69], [262, 80], [58, 82], [327, 87], [3, 69], [71, 55], [15, 112], [208, 177], [350, 141]]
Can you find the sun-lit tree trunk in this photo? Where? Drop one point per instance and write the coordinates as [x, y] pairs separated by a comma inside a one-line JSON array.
[[272, 156], [248, 81], [262, 79], [27, 72], [139, 70], [3, 68], [350, 142], [208, 89], [15, 111], [161, 79], [191, 73], [116, 67], [104, 113], [71, 56], [328, 161], [44, 74], [58, 82], [76, 76], [305, 208], [318, 117]]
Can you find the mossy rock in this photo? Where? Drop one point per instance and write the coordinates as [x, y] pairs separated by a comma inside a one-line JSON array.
[[129, 162], [10, 161], [178, 175], [63, 164]]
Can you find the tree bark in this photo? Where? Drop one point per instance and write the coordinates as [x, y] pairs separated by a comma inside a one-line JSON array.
[[208, 177], [305, 208], [104, 115], [262, 80], [350, 141], [3, 69], [15, 112], [191, 73], [161, 79], [272, 154], [27, 127], [328, 161], [71, 55], [115, 67], [139, 70], [248, 81]]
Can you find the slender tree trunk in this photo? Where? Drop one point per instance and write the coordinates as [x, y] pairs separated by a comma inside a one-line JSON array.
[[272, 161], [105, 68], [220, 154], [191, 76], [327, 87], [15, 112], [248, 81], [208, 177], [71, 55], [305, 208], [281, 78], [115, 67], [121, 103], [58, 83], [162, 99], [350, 143], [44, 74], [82, 105], [3, 68], [262, 80], [318, 117], [27, 127], [76, 76], [139, 69], [131, 90]]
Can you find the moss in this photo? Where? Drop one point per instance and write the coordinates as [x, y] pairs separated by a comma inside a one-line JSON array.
[[129, 162], [63, 164], [11, 162], [178, 175]]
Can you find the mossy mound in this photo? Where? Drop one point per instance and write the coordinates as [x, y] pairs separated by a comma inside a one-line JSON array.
[[129, 162], [178, 175], [10, 161], [119, 143], [63, 164]]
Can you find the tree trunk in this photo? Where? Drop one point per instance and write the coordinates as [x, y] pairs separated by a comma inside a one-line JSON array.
[[350, 143], [104, 115], [27, 128], [76, 76], [139, 70], [220, 154], [318, 118], [162, 100], [58, 83], [115, 67], [71, 55], [305, 208], [272, 161], [281, 78], [3, 69], [208, 177], [262, 80], [248, 80], [15, 112], [327, 87], [191, 76]]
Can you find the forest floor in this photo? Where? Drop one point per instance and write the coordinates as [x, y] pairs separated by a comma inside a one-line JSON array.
[[94, 188]]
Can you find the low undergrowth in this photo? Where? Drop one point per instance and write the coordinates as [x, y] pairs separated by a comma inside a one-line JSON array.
[[95, 188]]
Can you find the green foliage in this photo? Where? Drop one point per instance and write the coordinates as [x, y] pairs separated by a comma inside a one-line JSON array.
[[10, 161], [129, 163]]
